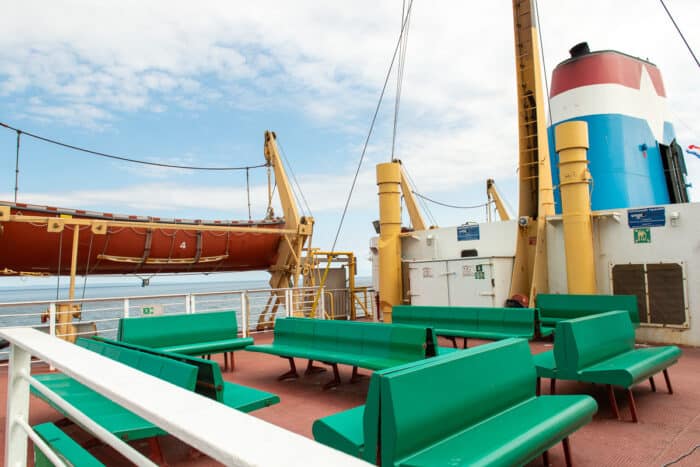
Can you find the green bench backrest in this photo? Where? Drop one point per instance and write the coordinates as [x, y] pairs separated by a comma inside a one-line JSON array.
[[371, 339], [428, 402], [209, 384], [67, 449], [482, 319], [177, 373], [582, 342], [554, 307], [169, 330]]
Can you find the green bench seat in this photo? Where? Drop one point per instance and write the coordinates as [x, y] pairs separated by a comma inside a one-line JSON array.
[[600, 349], [409, 417], [106, 413], [558, 307], [471, 322], [373, 346], [64, 446], [191, 334], [210, 383]]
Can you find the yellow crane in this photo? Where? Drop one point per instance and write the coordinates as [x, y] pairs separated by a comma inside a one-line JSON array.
[[536, 196], [495, 198]]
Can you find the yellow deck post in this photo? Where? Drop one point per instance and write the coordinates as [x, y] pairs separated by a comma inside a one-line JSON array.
[[571, 140], [388, 181]]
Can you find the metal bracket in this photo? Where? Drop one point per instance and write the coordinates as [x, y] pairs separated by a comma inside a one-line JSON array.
[[55, 226]]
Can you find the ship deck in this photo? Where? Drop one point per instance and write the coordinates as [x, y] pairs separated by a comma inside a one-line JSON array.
[[669, 425]]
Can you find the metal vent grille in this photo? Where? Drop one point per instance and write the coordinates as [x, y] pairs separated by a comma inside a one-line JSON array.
[[660, 291]]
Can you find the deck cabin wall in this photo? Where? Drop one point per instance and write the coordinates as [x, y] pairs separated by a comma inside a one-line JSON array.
[[677, 241]]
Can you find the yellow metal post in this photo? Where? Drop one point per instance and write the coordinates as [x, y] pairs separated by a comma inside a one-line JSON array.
[[388, 181], [571, 140], [66, 311]]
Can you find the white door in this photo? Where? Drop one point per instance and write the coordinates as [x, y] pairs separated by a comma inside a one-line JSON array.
[[470, 282], [428, 283]]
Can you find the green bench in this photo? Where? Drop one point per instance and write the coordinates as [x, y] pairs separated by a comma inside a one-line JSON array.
[[473, 407], [64, 446], [210, 383], [471, 322], [557, 307], [600, 349], [180, 370], [191, 334], [373, 346]]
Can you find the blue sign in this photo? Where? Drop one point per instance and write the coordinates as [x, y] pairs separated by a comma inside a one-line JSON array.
[[646, 217], [468, 232]]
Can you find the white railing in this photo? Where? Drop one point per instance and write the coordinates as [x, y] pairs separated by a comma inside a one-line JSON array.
[[254, 307], [203, 423]]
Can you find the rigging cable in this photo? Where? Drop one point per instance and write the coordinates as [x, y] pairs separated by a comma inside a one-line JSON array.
[[680, 33], [474, 206], [544, 63], [127, 159], [19, 136], [399, 74], [371, 129], [294, 177], [247, 191]]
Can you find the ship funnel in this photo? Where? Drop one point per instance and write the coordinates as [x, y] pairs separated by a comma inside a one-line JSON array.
[[579, 50]]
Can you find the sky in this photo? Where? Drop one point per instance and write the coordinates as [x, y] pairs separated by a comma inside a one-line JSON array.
[[198, 83]]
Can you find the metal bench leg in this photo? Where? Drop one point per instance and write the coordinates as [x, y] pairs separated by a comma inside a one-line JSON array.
[[545, 458], [668, 381], [613, 401], [653, 385], [336, 377], [538, 390], [355, 375], [311, 368], [292, 373], [156, 452], [464, 344], [552, 385], [633, 406], [567, 451], [454, 341], [233, 361], [225, 361]]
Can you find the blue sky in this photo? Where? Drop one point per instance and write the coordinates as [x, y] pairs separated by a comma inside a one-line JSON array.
[[198, 84]]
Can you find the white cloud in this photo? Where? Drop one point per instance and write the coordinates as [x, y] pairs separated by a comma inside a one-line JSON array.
[[326, 61]]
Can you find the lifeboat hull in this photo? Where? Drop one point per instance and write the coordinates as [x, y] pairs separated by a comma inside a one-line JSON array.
[[29, 247]]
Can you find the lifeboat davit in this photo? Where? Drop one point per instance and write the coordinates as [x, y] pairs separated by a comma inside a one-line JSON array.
[[38, 240]]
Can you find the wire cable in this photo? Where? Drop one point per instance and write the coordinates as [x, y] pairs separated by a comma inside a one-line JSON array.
[[680, 33], [481, 205], [127, 159], [371, 129], [544, 63], [294, 177], [399, 76]]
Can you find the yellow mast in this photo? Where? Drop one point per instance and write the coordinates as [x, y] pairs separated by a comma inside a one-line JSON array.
[[388, 182], [411, 206], [536, 198]]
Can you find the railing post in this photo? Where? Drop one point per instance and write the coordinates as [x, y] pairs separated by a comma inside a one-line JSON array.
[[244, 313], [321, 312], [193, 304], [288, 302], [52, 319], [187, 304], [17, 406], [126, 308]]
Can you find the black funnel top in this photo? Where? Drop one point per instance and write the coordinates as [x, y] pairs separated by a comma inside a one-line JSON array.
[[579, 50]]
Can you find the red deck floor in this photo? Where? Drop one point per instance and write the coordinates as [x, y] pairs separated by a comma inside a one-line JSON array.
[[669, 424]]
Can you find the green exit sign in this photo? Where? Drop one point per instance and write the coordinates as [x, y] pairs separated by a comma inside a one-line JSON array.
[[642, 235]]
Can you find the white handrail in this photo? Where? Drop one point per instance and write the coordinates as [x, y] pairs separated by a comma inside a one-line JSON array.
[[225, 434]]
